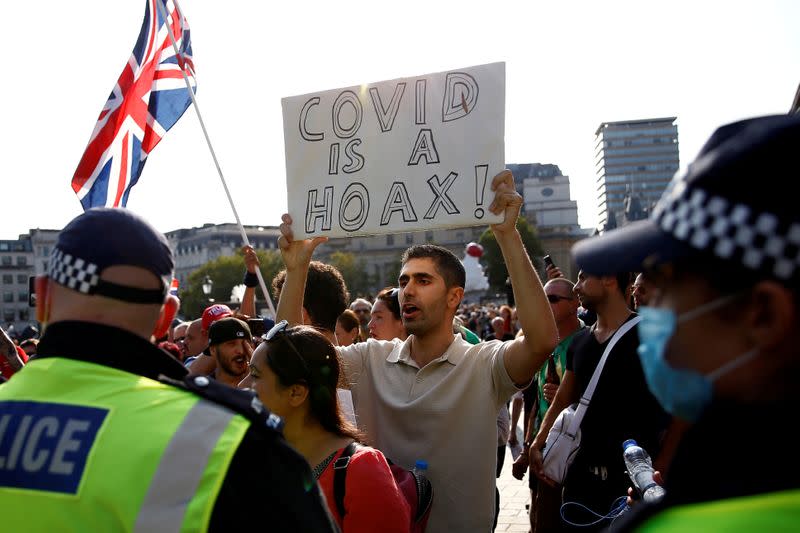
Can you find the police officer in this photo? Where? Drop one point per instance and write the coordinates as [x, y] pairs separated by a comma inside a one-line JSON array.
[[104, 431], [719, 345]]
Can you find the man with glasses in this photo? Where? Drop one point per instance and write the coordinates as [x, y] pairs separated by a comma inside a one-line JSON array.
[[719, 344], [179, 335], [363, 309], [435, 397], [621, 408], [641, 291]]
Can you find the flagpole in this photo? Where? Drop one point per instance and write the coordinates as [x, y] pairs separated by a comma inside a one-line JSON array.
[[165, 16]]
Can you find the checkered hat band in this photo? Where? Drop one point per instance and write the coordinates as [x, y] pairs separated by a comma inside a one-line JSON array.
[[82, 276], [731, 231], [73, 272]]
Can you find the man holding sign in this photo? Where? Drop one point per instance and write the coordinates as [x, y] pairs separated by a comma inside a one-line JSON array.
[[433, 396]]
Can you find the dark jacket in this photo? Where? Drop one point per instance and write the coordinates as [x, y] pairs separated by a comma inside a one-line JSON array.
[[732, 451]]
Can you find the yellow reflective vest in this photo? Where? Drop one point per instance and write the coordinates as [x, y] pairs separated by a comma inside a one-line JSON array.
[[772, 512], [84, 447]]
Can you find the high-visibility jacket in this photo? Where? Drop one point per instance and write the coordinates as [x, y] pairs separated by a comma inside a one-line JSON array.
[[85, 447], [773, 512]]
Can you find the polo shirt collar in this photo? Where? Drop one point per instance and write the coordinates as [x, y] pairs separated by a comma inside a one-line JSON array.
[[401, 353]]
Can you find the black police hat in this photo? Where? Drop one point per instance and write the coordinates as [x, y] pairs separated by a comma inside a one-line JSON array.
[[104, 237], [731, 203]]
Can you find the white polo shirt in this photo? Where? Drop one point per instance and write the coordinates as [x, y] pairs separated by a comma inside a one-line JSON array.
[[445, 413]]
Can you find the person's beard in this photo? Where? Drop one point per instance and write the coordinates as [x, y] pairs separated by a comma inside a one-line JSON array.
[[229, 367], [588, 303]]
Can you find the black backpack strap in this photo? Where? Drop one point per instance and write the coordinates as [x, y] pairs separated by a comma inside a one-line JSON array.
[[340, 475]]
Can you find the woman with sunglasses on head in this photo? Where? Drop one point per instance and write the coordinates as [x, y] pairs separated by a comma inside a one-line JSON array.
[[385, 321], [295, 372]]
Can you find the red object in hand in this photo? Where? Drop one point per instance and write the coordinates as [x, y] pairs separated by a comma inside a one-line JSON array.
[[5, 367], [474, 249]]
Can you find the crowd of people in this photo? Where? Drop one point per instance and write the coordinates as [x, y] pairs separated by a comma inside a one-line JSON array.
[[121, 417]]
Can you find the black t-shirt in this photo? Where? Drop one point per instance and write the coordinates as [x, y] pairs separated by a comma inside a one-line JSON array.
[[622, 406]]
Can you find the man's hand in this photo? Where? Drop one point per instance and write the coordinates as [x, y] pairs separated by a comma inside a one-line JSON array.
[[296, 256], [296, 253], [549, 390], [525, 354], [536, 461], [520, 465], [633, 496], [250, 259], [553, 272], [506, 200]]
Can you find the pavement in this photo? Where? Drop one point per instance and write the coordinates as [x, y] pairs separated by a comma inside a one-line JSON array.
[[514, 495]]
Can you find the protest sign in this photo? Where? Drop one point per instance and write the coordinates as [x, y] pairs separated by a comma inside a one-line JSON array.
[[409, 154]]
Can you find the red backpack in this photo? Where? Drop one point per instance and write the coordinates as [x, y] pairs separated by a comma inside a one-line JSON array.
[[417, 490]]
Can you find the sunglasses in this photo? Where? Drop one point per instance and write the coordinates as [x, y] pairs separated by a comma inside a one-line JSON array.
[[555, 298], [280, 328]]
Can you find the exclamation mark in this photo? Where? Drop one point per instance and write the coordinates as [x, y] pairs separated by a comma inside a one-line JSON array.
[[481, 171]]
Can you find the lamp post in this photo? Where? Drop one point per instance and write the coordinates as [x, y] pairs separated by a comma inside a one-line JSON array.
[[208, 285]]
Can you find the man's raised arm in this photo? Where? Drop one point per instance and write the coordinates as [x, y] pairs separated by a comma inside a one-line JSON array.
[[527, 353], [296, 258], [251, 262]]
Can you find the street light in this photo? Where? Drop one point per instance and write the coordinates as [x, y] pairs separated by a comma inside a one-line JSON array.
[[208, 285]]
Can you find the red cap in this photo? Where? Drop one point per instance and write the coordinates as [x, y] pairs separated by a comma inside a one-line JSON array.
[[214, 313]]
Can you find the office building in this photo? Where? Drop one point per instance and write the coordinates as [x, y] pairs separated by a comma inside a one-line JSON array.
[[16, 266], [546, 195], [633, 159], [194, 247], [549, 207]]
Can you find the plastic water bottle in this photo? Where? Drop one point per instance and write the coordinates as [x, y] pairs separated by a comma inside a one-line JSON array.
[[421, 468], [640, 470]]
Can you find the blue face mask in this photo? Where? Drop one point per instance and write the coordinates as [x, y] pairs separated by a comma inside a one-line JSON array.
[[682, 392]]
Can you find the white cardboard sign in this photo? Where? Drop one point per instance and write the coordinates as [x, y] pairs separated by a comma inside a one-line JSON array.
[[408, 154]]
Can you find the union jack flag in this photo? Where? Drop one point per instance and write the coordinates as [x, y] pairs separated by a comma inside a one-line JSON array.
[[173, 289], [148, 99]]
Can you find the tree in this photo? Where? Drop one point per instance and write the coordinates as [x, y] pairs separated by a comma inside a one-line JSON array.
[[226, 272], [392, 273], [493, 258], [354, 272]]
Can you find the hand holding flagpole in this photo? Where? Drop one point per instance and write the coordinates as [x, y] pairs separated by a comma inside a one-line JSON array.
[[261, 282]]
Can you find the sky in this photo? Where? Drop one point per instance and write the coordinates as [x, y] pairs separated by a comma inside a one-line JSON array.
[[569, 67]]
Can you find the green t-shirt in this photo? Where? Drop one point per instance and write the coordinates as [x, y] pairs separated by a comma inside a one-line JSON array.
[[470, 336], [560, 358]]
